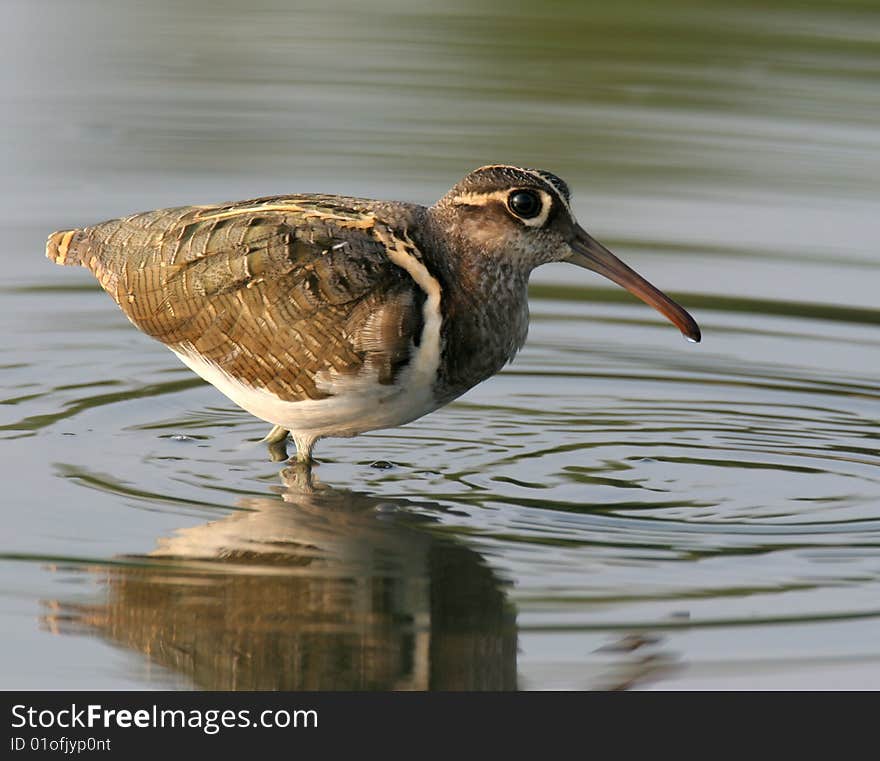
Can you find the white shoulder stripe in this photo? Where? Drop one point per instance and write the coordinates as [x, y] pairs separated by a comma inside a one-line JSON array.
[[424, 365]]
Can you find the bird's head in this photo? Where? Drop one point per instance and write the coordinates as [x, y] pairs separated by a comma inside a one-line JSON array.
[[524, 217]]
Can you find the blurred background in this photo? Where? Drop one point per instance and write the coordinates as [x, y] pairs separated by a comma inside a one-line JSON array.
[[616, 509]]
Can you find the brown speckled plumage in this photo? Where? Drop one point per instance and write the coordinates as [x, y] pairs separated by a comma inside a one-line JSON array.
[[271, 295]]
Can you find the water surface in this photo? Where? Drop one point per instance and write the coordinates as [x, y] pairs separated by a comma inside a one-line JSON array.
[[616, 509]]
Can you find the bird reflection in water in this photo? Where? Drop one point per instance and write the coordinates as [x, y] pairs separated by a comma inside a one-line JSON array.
[[314, 588]]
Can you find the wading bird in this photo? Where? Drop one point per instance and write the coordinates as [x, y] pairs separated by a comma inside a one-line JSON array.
[[330, 316]]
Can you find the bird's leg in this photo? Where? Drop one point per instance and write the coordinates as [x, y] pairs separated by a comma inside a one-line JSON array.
[[277, 441], [304, 446], [278, 433]]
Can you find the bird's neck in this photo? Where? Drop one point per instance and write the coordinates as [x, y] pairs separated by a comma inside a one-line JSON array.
[[485, 311]]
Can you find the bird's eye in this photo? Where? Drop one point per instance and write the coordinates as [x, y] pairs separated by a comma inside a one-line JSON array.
[[524, 203]]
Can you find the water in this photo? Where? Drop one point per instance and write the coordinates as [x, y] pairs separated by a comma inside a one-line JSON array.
[[616, 509]]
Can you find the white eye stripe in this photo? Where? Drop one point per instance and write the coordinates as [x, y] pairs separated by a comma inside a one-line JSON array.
[[481, 199], [534, 173]]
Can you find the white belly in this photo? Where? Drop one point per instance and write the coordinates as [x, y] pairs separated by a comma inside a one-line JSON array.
[[357, 404]]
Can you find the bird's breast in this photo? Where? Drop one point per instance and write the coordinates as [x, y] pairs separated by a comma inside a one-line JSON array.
[[480, 336]]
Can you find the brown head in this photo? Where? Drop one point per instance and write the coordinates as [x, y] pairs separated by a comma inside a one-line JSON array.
[[525, 216]]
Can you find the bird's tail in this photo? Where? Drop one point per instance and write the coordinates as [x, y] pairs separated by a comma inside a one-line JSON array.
[[61, 247]]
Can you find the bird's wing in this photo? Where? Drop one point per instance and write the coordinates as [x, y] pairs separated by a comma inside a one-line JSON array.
[[279, 293]]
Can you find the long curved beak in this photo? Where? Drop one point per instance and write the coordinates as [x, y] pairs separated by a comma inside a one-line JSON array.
[[592, 255]]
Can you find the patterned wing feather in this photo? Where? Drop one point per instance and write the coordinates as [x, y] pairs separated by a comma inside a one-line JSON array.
[[279, 293]]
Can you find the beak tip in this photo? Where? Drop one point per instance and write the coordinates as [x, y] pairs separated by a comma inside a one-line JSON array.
[[692, 334], [592, 255]]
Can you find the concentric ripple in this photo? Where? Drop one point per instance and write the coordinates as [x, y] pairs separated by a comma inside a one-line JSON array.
[[648, 511]]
